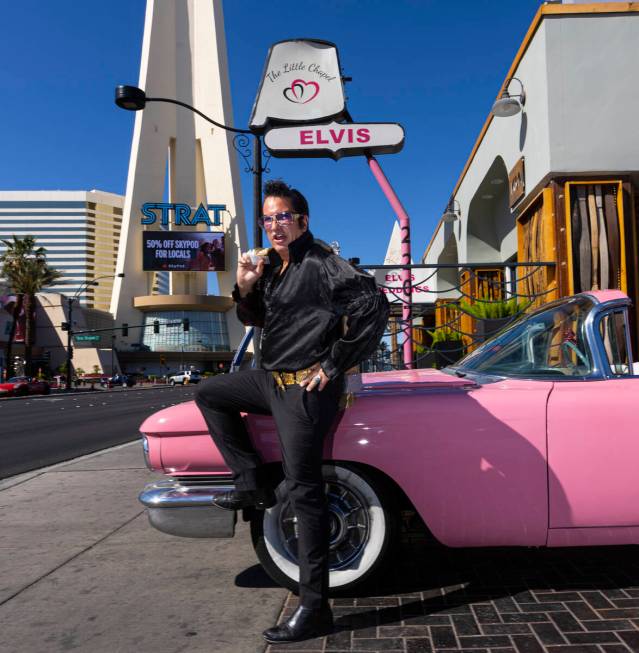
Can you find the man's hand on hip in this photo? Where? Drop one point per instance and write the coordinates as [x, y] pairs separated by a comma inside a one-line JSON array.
[[316, 379]]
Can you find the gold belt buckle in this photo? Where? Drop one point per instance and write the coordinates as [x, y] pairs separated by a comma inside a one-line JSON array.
[[290, 378]]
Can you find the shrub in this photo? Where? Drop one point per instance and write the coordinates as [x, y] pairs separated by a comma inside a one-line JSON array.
[[486, 309], [444, 334]]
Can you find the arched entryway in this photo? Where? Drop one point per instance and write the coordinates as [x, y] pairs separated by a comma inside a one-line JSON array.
[[491, 229]]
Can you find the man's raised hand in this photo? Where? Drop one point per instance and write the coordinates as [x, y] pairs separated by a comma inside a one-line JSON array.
[[248, 273]]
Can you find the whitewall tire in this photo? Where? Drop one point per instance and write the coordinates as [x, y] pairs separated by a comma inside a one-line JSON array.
[[361, 529]]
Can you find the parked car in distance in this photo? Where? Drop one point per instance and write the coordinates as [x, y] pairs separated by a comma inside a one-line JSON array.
[[122, 379], [19, 386], [185, 376], [530, 440]]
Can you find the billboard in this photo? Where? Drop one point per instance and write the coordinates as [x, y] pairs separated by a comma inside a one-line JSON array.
[[183, 251]]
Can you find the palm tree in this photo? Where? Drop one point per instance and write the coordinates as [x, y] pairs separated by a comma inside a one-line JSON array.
[[24, 268]]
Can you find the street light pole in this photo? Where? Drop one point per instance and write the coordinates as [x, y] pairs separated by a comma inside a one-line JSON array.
[[69, 343], [257, 190], [70, 300]]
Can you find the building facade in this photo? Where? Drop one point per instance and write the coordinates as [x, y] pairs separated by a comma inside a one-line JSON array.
[[80, 231], [555, 179]]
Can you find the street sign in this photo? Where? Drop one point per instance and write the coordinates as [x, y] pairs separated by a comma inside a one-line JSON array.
[[335, 140], [86, 338]]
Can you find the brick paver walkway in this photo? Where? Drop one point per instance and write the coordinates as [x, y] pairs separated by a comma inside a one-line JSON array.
[[583, 600]]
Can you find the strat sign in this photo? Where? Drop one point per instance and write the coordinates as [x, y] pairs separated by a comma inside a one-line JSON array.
[[301, 83], [182, 214], [335, 140]]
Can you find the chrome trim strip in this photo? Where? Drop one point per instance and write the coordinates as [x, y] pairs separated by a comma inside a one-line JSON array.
[[170, 494], [601, 350], [145, 451]]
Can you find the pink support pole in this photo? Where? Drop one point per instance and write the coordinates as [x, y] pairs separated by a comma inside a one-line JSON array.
[[404, 224]]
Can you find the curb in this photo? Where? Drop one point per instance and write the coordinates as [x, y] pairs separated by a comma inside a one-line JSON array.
[[11, 481], [64, 393]]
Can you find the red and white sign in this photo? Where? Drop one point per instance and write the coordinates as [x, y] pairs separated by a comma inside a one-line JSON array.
[[301, 83], [335, 140], [422, 282], [390, 280]]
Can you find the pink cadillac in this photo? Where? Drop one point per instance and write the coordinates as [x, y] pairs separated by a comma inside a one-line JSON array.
[[531, 440]]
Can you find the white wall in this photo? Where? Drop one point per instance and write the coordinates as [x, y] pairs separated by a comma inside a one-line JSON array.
[[592, 83]]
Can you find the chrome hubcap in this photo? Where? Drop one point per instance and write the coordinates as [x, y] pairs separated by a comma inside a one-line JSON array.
[[348, 525]]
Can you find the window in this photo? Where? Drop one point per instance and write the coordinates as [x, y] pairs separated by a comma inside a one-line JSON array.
[[550, 342], [207, 331], [612, 328]]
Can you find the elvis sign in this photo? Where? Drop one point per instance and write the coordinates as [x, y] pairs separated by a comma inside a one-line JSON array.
[[335, 140]]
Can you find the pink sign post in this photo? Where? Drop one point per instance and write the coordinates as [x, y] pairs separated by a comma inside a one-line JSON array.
[[404, 225]]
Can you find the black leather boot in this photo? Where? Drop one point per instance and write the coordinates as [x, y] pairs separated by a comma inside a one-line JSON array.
[[304, 624], [238, 499]]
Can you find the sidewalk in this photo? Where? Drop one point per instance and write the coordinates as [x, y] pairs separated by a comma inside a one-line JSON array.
[[82, 570]]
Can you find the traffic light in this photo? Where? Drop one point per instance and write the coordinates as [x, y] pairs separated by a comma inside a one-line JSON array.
[[186, 324], [70, 352], [64, 326], [125, 329], [156, 326], [162, 360]]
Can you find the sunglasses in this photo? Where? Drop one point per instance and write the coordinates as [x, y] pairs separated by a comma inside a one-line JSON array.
[[284, 218]]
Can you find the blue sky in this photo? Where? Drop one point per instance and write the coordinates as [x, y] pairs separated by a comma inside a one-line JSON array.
[[434, 67]]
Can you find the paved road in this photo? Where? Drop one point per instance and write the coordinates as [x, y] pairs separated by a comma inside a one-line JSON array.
[[40, 431]]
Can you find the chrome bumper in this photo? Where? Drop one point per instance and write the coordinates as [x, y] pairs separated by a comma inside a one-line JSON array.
[[187, 511]]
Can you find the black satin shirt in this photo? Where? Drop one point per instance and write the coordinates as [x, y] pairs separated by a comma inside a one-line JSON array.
[[320, 309]]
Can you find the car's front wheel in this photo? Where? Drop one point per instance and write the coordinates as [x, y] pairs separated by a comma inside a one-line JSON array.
[[361, 528]]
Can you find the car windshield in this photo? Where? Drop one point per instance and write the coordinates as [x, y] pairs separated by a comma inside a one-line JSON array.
[[550, 342]]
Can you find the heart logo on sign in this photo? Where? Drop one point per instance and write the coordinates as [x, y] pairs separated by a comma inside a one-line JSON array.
[[301, 92]]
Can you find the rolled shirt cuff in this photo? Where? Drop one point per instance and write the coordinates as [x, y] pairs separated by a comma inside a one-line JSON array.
[[237, 297], [329, 368]]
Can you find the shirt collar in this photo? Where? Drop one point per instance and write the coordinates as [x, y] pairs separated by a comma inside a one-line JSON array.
[[296, 250]]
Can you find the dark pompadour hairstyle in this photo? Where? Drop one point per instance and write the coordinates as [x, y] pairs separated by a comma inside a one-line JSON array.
[[278, 188]]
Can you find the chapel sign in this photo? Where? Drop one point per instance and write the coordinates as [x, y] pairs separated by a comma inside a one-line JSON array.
[[301, 83]]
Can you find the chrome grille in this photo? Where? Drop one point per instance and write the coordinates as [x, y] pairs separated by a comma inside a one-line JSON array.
[[199, 480]]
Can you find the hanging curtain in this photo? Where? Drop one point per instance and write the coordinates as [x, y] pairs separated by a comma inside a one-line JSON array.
[[595, 237]]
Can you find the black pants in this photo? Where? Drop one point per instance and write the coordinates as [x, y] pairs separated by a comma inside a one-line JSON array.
[[303, 419]]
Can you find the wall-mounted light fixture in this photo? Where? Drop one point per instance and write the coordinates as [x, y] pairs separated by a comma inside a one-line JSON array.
[[507, 104], [451, 213]]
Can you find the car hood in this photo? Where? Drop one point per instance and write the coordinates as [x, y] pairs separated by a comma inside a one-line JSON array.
[[402, 380], [185, 419]]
